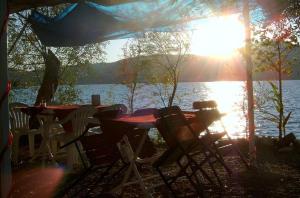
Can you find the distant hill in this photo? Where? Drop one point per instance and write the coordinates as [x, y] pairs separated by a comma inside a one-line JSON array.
[[194, 69]]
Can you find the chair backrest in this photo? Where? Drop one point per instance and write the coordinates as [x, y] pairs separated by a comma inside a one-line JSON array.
[[112, 111], [99, 150], [120, 107], [19, 119], [174, 128], [146, 111], [208, 116], [208, 104], [208, 112], [17, 104], [79, 119]]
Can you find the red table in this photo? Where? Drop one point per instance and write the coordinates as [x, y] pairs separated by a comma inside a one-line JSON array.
[[60, 111], [136, 125], [148, 121], [143, 121], [126, 128], [132, 133]]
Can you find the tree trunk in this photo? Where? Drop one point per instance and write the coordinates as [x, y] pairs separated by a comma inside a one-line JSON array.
[[171, 99], [50, 79], [175, 83], [251, 127], [280, 126]]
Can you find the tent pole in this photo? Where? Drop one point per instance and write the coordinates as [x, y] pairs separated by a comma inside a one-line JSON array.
[[251, 127], [5, 170]]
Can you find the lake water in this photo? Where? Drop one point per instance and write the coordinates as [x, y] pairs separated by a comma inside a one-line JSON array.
[[230, 97]]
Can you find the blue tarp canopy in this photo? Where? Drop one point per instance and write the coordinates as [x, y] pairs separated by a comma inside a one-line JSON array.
[[87, 22]]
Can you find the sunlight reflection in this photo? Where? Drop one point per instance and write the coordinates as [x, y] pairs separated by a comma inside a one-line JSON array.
[[229, 97], [220, 37]]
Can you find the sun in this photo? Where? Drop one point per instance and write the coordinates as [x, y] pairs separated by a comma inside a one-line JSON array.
[[220, 37]]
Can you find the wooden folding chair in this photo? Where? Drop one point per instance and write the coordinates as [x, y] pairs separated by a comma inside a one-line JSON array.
[[98, 152], [207, 114], [184, 143], [135, 146]]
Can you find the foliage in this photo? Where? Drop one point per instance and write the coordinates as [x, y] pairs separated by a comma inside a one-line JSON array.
[[66, 94], [273, 51], [281, 8], [167, 50], [27, 53], [132, 66]]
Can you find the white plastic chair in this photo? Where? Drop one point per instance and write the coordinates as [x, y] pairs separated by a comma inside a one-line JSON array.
[[51, 130], [79, 119], [19, 123]]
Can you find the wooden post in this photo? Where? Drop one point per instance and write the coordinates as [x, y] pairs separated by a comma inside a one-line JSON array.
[[252, 149], [5, 172]]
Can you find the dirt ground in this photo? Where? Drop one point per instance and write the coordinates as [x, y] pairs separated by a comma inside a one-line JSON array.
[[276, 174]]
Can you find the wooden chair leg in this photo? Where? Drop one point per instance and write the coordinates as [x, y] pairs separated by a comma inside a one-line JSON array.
[[168, 184]]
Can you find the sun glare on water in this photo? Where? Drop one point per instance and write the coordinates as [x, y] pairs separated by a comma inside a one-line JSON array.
[[219, 37], [229, 97]]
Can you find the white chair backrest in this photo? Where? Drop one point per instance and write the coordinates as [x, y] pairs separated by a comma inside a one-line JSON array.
[[79, 119], [19, 119]]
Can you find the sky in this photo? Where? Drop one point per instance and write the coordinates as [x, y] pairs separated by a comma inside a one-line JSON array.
[[114, 50], [220, 36]]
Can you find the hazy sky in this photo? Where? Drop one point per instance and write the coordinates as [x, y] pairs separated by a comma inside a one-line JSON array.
[[114, 50], [213, 37]]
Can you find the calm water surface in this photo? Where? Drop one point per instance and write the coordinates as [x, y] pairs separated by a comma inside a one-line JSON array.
[[230, 97]]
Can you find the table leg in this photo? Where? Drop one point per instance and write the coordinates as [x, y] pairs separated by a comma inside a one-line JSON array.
[[132, 157], [45, 132], [44, 148]]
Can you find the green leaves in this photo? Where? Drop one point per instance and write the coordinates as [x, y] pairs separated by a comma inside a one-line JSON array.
[[27, 55], [167, 50], [273, 52], [286, 119], [66, 94], [273, 45]]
